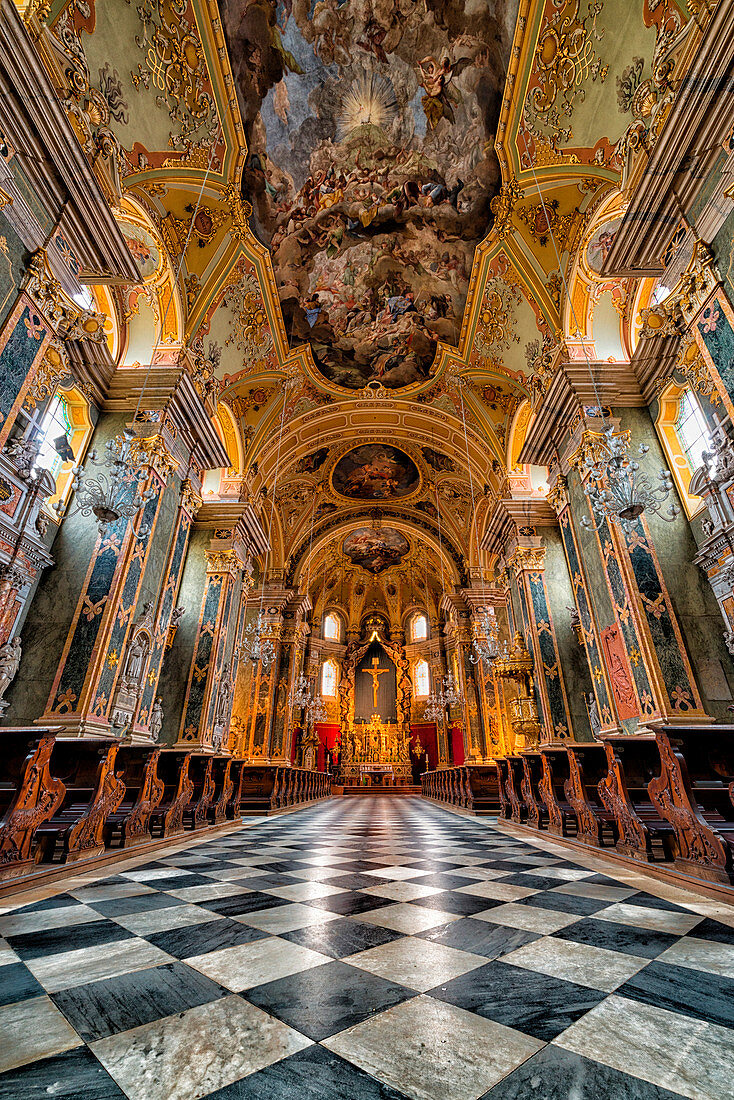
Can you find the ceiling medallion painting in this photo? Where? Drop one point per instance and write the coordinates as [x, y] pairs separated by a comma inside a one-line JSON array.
[[375, 550], [375, 471], [371, 168]]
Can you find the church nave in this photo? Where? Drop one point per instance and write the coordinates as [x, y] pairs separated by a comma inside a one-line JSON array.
[[366, 949]]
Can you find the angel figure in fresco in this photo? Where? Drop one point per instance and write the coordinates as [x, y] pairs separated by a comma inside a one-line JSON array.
[[435, 80]]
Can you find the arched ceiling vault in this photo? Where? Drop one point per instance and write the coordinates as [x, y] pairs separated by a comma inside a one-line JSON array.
[[374, 214]]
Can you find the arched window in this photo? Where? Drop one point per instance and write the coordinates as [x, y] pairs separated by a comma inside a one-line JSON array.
[[332, 627], [419, 628], [421, 678], [64, 432], [328, 678], [684, 433]]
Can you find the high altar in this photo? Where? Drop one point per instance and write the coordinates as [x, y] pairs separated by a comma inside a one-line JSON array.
[[374, 706], [379, 750]]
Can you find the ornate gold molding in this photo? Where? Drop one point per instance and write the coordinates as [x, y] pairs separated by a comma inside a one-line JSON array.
[[67, 320], [527, 559], [190, 499], [152, 450]]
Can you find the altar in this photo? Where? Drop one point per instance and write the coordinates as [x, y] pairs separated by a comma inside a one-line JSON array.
[[375, 749]]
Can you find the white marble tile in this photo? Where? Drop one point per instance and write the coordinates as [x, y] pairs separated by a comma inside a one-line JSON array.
[[20, 924], [7, 955], [429, 1050], [208, 893], [655, 920], [396, 872], [689, 1057], [95, 893], [708, 955], [406, 918], [402, 891], [286, 918], [417, 964], [90, 964], [187, 1056], [33, 1029], [251, 964], [577, 962], [569, 874], [475, 874], [305, 891], [528, 917], [316, 874], [156, 873], [160, 920], [497, 891]]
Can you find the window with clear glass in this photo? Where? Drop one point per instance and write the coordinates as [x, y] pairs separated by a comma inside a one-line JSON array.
[[421, 678], [332, 628], [419, 628], [692, 430], [55, 423], [328, 678]]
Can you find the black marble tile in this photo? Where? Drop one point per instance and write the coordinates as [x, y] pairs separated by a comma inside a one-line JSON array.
[[18, 984], [532, 882], [262, 882], [350, 904], [710, 929], [680, 989], [139, 903], [312, 1074], [522, 999], [509, 866], [465, 905], [556, 1074], [479, 937], [200, 939], [327, 999], [443, 881], [57, 902], [354, 881], [128, 1000], [649, 901], [71, 1076], [563, 903], [176, 883], [348, 866], [281, 866], [243, 903], [341, 937], [52, 941], [618, 937]]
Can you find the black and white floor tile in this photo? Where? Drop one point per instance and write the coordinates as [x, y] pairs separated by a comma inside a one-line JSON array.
[[376, 949]]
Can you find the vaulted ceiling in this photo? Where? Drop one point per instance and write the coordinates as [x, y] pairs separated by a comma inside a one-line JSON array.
[[372, 224]]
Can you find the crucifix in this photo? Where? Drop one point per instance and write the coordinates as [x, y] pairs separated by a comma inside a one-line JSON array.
[[375, 673]]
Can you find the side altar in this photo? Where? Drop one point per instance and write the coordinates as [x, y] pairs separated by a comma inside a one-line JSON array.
[[377, 750]]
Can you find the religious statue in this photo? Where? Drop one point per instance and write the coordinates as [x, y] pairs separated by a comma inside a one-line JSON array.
[[10, 655], [375, 673], [135, 661], [156, 720], [224, 697], [593, 710]]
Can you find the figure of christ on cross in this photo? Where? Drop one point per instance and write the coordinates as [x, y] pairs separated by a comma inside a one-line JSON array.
[[375, 673]]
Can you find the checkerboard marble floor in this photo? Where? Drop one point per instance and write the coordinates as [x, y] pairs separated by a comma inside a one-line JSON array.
[[367, 950]]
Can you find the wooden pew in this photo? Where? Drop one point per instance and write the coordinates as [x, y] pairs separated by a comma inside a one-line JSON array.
[[632, 762], [256, 790], [200, 772], [223, 788], [483, 788], [502, 775], [29, 794], [237, 775], [561, 816], [693, 792], [144, 791], [166, 820], [532, 773], [518, 809], [587, 766], [88, 769]]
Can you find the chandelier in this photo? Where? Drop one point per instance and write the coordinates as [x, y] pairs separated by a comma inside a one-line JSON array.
[[302, 698], [316, 710], [257, 645], [449, 694], [617, 489], [486, 639], [116, 491]]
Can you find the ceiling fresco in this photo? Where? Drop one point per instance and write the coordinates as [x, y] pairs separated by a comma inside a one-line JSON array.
[[375, 471], [371, 168], [375, 550]]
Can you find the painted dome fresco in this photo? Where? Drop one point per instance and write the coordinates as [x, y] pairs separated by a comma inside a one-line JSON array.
[[370, 127]]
